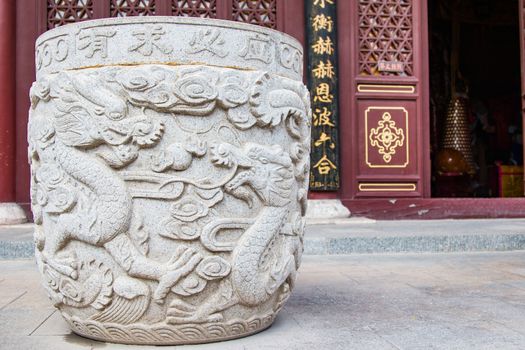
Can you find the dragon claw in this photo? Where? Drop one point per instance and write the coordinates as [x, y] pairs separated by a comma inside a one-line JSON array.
[[180, 265], [182, 312], [66, 266]]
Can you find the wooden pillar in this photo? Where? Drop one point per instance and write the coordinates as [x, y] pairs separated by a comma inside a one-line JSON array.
[[7, 101], [32, 16]]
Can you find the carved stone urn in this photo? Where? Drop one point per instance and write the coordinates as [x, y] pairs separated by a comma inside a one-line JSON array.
[[169, 160]]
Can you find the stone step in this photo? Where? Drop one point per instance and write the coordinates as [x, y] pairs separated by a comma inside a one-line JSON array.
[[16, 241], [359, 236]]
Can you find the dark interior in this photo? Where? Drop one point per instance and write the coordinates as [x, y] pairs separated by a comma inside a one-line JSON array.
[[475, 56]]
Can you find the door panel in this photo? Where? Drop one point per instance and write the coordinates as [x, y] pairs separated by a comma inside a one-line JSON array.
[[386, 121], [386, 136]]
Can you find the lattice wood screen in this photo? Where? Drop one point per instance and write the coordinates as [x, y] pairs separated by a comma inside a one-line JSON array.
[[60, 12], [261, 12], [385, 34], [194, 8], [123, 8]]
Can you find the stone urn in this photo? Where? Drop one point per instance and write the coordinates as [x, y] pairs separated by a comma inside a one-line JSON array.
[[169, 161]]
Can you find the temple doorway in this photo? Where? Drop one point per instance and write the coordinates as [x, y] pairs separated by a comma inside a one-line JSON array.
[[475, 98]]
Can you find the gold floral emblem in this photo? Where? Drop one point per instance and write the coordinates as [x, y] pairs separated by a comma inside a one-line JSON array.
[[387, 137]]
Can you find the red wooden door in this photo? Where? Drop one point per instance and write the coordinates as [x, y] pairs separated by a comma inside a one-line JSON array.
[[34, 17], [384, 98]]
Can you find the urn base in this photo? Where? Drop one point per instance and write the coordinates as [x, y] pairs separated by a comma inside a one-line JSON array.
[[162, 334]]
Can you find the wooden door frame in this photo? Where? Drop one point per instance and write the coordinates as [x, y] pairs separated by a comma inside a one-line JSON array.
[[521, 11], [407, 208], [348, 46], [28, 28]]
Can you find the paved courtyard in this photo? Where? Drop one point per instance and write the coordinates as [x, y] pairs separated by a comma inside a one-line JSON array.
[[398, 301]]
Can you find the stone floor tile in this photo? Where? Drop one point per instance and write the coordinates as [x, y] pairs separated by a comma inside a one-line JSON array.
[[389, 301]]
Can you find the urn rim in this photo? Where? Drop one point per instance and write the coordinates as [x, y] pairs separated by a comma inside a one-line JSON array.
[[168, 20], [177, 41]]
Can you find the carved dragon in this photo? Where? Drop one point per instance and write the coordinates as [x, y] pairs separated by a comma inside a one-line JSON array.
[[99, 206], [89, 131], [269, 172]]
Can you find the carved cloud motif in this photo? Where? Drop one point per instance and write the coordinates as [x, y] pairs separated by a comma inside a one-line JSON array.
[[114, 172]]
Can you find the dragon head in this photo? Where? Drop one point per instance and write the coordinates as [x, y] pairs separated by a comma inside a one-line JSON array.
[[267, 170]]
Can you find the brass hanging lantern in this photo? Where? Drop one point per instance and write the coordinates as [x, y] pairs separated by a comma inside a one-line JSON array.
[[457, 132]]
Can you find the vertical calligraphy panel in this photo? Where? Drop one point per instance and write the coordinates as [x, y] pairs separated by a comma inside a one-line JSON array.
[[322, 82]]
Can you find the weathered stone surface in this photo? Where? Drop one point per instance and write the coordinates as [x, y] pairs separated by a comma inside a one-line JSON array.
[[170, 164], [11, 214], [323, 211]]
